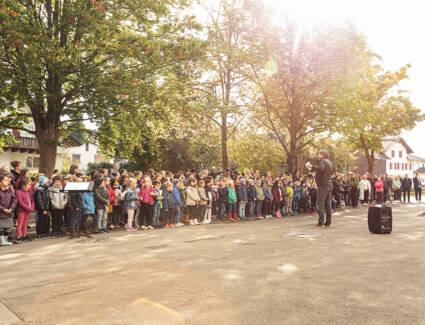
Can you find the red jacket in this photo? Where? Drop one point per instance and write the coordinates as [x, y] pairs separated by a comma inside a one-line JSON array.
[[25, 201], [277, 195], [111, 193], [145, 196], [379, 186]]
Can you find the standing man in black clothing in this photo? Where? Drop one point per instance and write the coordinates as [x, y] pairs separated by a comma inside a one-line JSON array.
[[406, 185], [417, 184], [324, 193], [387, 186]]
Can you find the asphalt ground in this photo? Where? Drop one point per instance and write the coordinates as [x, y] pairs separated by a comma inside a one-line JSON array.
[[280, 271]]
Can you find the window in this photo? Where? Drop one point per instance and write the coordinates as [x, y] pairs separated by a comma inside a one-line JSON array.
[[76, 158], [400, 154], [393, 153], [87, 147], [391, 166], [33, 162]]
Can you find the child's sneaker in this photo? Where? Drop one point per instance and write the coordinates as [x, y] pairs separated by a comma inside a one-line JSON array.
[[167, 226], [171, 225], [150, 227], [191, 222], [196, 222]]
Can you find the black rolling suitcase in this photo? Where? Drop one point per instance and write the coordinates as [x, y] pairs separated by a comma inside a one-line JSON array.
[[380, 219]]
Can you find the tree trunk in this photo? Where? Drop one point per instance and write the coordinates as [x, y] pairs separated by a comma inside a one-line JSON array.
[[224, 155], [301, 162], [292, 155], [370, 160], [48, 153], [292, 162], [47, 141]]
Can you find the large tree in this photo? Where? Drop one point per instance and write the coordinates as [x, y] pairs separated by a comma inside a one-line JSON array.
[[71, 60], [217, 92], [296, 74], [372, 107]]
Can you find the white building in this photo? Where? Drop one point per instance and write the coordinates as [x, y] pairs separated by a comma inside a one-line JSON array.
[[27, 151], [402, 160], [397, 158]]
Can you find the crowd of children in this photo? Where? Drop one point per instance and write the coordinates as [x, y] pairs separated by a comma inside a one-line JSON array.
[[144, 201]]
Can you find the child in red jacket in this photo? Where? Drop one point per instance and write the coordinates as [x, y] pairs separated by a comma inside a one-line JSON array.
[[24, 208], [111, 193]]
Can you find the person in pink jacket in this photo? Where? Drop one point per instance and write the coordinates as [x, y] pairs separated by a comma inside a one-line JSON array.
[[24, 208], [147, 194], [379, 190]]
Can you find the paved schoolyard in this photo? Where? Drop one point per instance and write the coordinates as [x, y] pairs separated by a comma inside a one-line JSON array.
[[262, 272]]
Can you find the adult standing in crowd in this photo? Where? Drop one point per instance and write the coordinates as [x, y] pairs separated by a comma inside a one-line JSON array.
[[354, 189], [417, 184], [324, 194], [116, 168], [397, 188], [387, 187], [406, 186], [73, 171]]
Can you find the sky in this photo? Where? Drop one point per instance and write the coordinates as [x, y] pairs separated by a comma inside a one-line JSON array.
[[395, 31]]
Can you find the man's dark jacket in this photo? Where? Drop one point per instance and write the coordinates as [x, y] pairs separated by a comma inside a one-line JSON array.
[[323, 173]]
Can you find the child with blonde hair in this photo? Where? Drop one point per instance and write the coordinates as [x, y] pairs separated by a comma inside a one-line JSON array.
[[130, 202], [203, 202], [147, 195], [193, 199], [231, 202]]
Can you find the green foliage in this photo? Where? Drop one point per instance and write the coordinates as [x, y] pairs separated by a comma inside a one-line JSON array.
[[71, 61], [341, 155], [372, 107], [296, 76], [256, 151], [199, 150], [91, 167]]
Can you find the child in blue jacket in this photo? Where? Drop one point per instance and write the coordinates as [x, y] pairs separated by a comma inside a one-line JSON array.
[[243, 198], [252, 198], [169, 205], [157, 206], [297, 197], [178, 203], [88, 210]]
